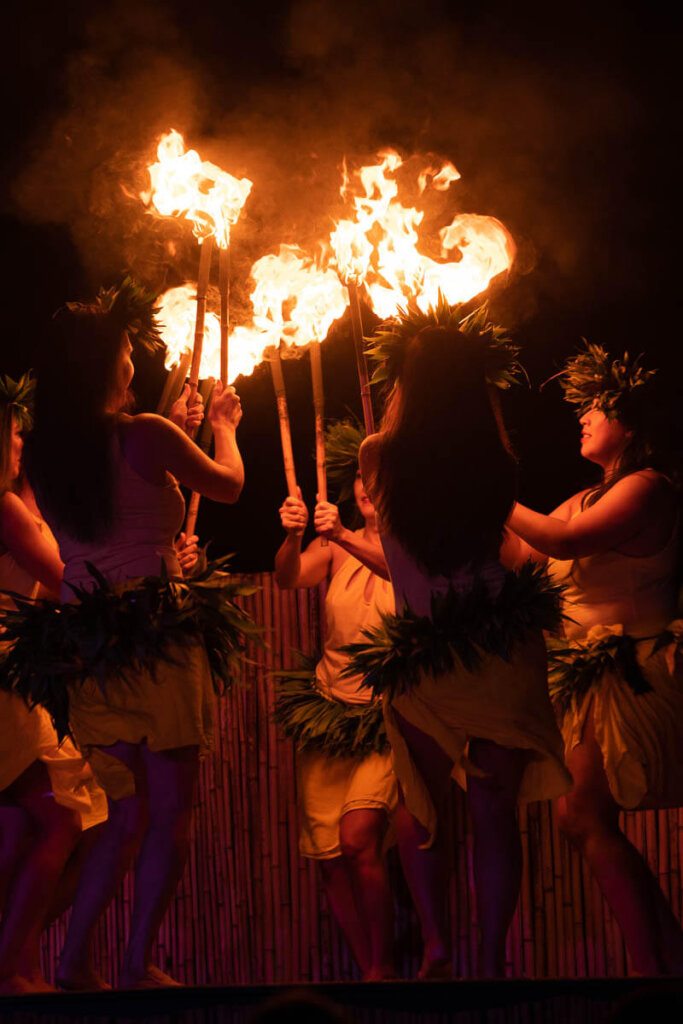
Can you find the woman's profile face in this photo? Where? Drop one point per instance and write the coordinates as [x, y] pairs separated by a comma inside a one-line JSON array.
[[16, 449], [365, 506], [124, 372], [602, 440]]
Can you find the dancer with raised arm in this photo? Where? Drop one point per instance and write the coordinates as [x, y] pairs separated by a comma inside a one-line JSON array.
[[462, 665], [347, 788], [616, 677], [142, 708], [50, 803]]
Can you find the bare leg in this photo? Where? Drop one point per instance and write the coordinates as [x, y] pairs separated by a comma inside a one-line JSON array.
[[428, 871], [361, 836], [337, 881], [106, 865], [589, 816], [171, 779], [56, 831], [497, 847]]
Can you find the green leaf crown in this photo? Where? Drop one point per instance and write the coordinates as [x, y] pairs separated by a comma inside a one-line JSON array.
[[592, 378], [19, 395], [343, 439], [132, 307], [388, 345]]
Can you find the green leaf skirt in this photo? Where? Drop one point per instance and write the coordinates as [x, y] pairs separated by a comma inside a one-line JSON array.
[[110, 632]]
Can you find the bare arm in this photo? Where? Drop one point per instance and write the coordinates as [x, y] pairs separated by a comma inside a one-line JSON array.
[[154, 445], [294, 568], [367, 550], [616, 518], [30, 549]]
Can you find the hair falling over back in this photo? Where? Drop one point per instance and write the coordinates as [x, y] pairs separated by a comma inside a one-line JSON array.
[[69, 454], [6, 422], [446, 476]]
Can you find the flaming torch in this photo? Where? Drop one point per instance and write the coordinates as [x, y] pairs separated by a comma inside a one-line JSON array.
[[184, 185], [378, 249], [296, 302]]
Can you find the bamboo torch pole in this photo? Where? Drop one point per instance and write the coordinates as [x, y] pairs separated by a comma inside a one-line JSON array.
[[361, 363], [175, 379], [319, 407], [206, 251], [224, 289], [204, 441], [283, 416]]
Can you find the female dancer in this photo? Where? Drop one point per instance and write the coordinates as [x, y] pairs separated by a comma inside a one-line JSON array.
[[49, 800], [442, 479], [616, 549], [347, 797], [107, 484]]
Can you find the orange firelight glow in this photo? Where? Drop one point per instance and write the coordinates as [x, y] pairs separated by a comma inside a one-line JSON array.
[[379, 245], [184, 185]]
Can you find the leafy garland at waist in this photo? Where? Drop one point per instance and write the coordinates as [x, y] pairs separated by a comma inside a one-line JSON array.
[[462, 626], [112, 632], [316, 722], [577, 668]]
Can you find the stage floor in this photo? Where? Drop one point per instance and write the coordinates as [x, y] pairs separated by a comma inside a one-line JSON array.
[[593, 1001]]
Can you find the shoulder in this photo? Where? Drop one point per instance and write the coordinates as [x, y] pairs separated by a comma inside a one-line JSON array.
[[147, 430], [13, 514]]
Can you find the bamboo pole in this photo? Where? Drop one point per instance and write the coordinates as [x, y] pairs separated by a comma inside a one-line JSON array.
[[361, 362], [205, 253], [173, 385], [204, 441], [285, 429], [224, 289], [319, 409]]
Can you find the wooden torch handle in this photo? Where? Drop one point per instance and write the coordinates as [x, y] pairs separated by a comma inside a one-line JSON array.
[[206, 250], [224, 289], [285, 430]]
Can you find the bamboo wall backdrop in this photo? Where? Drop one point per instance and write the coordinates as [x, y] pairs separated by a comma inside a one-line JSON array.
[[250, 910]]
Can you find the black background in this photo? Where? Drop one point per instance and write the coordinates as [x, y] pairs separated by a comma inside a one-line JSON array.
[[562, 120]]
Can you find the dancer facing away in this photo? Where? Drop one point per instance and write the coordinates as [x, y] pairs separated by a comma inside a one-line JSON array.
[[50, 804], [616, 548], [442, 480], [347, 796], [108, 484]]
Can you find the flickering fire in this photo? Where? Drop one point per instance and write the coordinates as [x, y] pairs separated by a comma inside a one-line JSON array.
[[184, 185], [379, 246], [177, 311], [295, 300]]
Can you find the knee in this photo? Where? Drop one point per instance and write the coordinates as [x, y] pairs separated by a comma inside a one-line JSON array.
[[129, 818], [360, 843], [578, 818]]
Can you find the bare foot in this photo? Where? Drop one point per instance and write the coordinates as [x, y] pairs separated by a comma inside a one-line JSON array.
[[16, 985], [152, 977], [440, 969], [83, 978], [380, 974]]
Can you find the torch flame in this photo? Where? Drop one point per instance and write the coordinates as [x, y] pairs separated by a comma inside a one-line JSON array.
[[379, 246], [184, 185], [295, 301]]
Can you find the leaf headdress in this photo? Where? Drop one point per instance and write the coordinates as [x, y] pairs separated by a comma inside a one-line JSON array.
[[616, 386], [389, 344], [343, 439], [132, 307], [19, 395]]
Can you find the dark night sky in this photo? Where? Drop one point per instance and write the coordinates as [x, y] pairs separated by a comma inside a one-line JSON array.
[[562, 122]]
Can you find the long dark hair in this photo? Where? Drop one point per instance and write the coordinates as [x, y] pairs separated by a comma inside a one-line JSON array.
[[69, 454], [6, 424], [446, 478]]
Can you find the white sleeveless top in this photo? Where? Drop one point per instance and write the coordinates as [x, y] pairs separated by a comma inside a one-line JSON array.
[[147, 518]]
